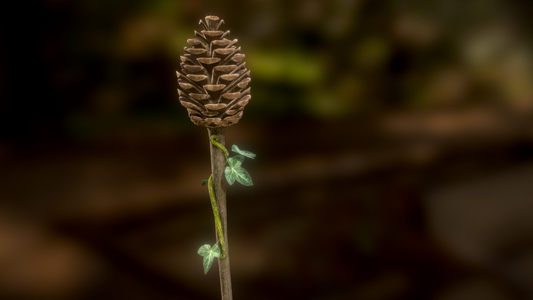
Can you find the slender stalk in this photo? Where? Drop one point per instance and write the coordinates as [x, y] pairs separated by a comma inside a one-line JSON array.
[[218, 164]]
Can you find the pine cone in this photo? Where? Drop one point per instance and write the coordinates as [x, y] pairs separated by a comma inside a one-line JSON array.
[[213, 77]]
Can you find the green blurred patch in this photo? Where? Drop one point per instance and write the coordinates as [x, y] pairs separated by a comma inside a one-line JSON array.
[[338, 100], [291, 67], [373, 52]]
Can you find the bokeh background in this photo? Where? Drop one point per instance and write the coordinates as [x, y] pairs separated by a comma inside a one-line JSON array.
[[394, 145]]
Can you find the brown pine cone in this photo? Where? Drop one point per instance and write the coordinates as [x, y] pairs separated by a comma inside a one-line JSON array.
[[213, 78]]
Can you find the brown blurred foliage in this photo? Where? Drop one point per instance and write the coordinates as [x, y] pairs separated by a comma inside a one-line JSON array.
[[394, 142]]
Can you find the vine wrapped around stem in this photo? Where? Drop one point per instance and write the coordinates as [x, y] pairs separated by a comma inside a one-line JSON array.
[[218, 222], [214, 141]]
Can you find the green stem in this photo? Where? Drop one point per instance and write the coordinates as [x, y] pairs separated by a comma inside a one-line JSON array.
[[218, 223]]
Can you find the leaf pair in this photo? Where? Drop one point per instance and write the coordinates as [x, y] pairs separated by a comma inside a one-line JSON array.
[[235, 171], [209, 255]]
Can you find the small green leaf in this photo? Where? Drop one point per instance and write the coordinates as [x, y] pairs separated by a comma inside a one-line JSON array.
[[205, 181], [209, 255], [204, 250], [243, 176], [208, 262], [236, 160], [233, 162], [234, 171], [230, 175], [248, 154], [216, 250]]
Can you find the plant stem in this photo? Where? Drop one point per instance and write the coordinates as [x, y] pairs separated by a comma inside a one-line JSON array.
[[218, 164]]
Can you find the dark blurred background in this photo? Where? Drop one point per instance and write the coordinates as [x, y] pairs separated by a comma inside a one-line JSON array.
[[394, 145]]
